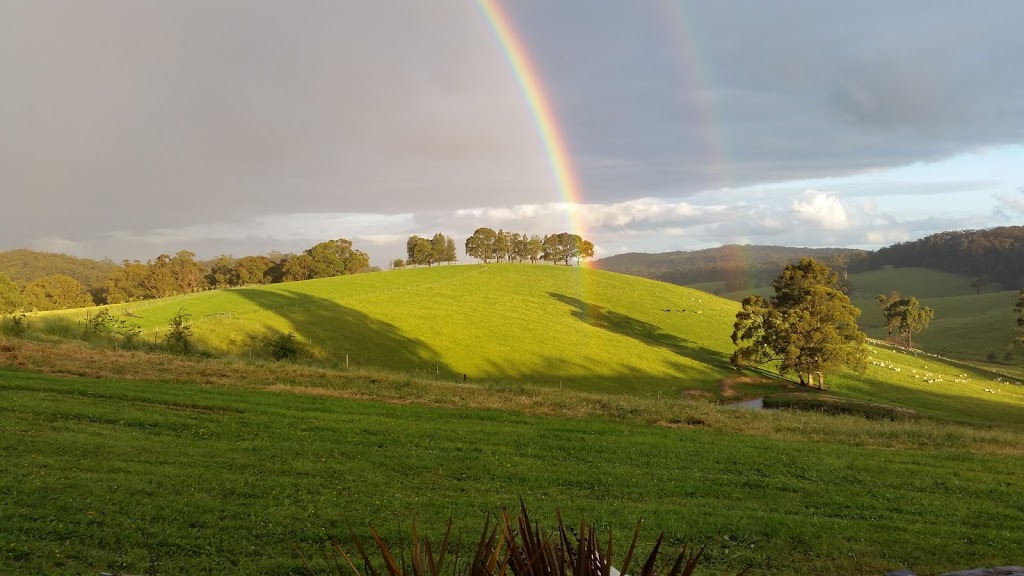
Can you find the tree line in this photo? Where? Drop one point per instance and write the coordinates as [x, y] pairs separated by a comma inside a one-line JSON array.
[[740, 267], [487, 245], [168, 275], [992, 256]]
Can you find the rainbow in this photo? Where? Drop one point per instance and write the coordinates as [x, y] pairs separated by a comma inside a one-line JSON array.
[[696, 79], [543, 113]]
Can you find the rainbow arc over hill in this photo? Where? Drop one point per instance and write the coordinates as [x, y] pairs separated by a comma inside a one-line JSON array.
[[543, 113]]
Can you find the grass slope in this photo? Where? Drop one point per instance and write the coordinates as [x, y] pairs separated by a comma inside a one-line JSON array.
[[103, 474], [552, 325]]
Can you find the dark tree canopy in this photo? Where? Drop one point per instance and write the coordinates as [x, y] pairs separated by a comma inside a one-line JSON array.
[[336, 258], [808, 327]]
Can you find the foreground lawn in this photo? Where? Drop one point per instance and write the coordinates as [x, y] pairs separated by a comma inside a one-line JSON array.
[[103, 474]]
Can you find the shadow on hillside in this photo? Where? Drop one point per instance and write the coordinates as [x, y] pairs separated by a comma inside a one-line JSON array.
[[650, 334], [336, 331]]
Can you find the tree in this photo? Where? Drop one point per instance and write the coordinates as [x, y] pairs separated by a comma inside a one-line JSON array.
[[503, 246], [908, 316], [57, 292], [481, 244], [419, 251], [534, 248], [397, 263], [188, 273], [563, 247], [808, 327], [438, 244], [584, 249], [450, 253], [980, 283], [336, 258], [10, 297], [891, 323], [223, 272], [159, 281], [127, 283], [297, 267], [252, 270]]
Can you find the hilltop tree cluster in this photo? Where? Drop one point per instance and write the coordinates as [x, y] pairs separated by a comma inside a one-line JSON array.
[[429, 251], [808, 328], [487, 245]]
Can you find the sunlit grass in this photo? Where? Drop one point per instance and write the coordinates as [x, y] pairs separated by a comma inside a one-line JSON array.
[[226, 475]]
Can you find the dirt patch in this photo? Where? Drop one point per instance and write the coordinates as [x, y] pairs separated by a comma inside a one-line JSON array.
[[703, 394], [726, 386]]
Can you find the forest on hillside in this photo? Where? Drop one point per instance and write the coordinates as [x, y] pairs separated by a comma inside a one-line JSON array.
[[994, 255], [740, 266]]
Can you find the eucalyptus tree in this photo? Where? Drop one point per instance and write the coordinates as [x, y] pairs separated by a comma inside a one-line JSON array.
[[908, 316], [481, 245], [809, 327]]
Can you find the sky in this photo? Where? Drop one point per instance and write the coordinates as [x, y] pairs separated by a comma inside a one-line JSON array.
[[133, 128]]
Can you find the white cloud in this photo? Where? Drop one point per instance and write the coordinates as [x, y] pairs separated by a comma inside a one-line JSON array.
[[1012, 202], [824, 210], [886, 237]]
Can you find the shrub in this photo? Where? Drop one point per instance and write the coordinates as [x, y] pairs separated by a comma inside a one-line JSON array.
[[103, 322], [16, 325], [179, 336], [509, 548], [283, 346]]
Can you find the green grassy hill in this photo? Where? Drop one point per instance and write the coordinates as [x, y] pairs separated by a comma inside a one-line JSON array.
[[967, 325], [550, 325], [522, 325]]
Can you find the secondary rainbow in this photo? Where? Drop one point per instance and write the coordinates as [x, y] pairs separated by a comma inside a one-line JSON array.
[[543, 113]]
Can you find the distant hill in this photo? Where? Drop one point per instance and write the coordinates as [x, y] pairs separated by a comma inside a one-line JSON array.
[[996, 254], [741, 266], [23, 266]]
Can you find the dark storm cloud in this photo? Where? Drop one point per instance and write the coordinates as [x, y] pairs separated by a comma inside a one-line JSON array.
[[133, 127], [123, 115], [735, 93]]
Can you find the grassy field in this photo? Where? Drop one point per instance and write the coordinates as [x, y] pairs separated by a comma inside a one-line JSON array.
[[582, 393], [105, 474]]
